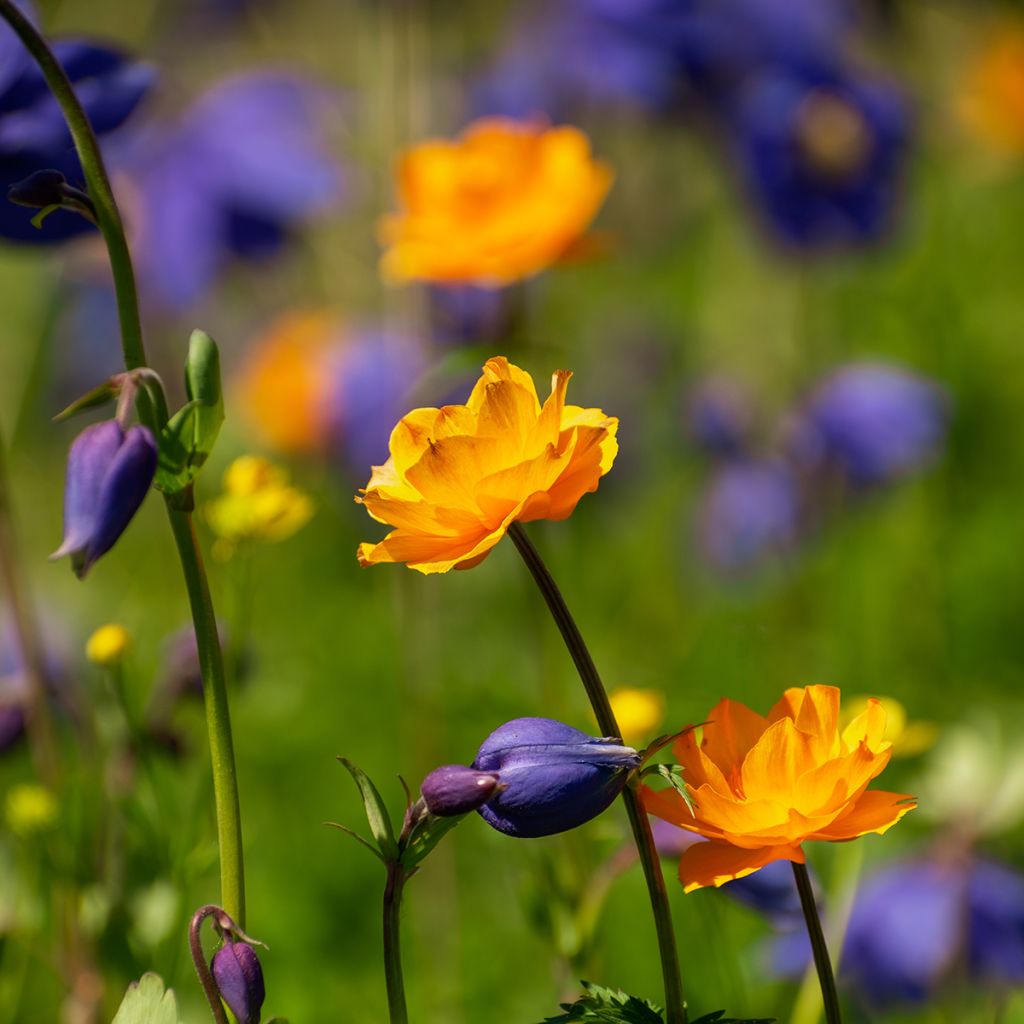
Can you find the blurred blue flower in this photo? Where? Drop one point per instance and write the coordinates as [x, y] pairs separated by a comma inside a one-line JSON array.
[[719, 415], [464, 314], [33, 135], [108, 476], [915, 923], [750, 511], [554, 777], [245, 164], [874, 422], [14, 693], [821, 151]]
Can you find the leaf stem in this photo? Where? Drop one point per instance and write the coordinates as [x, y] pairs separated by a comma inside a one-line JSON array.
[[152, 406], [821, 958], [675, 1005], [398, 1014]]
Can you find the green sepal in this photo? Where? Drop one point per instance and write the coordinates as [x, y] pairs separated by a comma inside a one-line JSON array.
[[189, 435], [424, 837], [100, 395], [673, 775], [148, 1002], [376, 813], [37, 220], [607, 1006]]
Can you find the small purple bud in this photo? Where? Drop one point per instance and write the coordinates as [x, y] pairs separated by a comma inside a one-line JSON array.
[[239, 977], [39, 190], [109, 472], [455, 789], [554, 777]]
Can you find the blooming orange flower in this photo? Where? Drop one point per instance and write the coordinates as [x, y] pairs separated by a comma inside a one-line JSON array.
[[501, 203], [992, 98], [460, 475], [762, 786]]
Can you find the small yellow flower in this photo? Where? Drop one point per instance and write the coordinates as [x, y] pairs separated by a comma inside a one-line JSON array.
[[501, 203], [908, 738], [258, 503], [30, 809], [639, 712], [108, 644]]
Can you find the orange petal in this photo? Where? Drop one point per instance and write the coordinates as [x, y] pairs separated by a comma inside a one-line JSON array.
[[428, 554], [868, 727], [874, 811], [714, 863], [731, 731], [772, 766]]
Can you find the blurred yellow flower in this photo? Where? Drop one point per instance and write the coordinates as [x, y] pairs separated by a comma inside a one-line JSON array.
[[460, 475], [908, 738], [991, 102], [108, 644], [258, 503], [762, 786], [284, 383], [638, 712], [500, 203], [30, 809]]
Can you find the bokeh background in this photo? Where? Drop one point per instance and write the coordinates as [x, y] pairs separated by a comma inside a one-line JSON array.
[[819, 380]]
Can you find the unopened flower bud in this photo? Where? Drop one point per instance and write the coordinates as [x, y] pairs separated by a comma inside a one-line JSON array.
[[455, 789], [239, 977], [39, 190], [555, 777], [109, 472]]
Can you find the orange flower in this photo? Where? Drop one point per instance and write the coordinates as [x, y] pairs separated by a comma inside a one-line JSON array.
[[992, 101], [763, 786], [460, 475], [501, 203]]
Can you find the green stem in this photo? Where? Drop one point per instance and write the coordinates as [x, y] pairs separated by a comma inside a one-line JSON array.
[[675, 1005], [397, 1011], [826, 979], [152, 406]]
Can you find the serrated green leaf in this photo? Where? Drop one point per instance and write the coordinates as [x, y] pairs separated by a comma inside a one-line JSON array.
[[424, 837], [376, 812], [601, 1005], [148, 1002]]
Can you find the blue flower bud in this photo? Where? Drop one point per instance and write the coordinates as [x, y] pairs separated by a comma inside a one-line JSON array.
[[239, 977], [40, 189], [555, 777], [455, 789], [109, 472]]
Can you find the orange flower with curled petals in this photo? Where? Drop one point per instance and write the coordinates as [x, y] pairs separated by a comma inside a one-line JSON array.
[[458, 476], [763, 786], [501, 203]]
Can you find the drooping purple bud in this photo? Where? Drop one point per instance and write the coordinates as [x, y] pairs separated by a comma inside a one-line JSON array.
[[40, 189], [239, 977], [455, 789], [555, 777], [109, 472]]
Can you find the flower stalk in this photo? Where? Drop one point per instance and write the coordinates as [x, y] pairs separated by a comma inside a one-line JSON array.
[[675, 1006], [397, 1011], [152, 407], [822, 963]]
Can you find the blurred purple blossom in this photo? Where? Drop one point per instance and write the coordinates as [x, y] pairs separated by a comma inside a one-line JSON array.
[[719, 416], [875, 423], [33, 135], [242, 167], [14, 683]]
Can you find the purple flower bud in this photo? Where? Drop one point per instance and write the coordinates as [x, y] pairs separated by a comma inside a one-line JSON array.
[[555, 777], [455, 789], [109, 472], [239, 977], [40, 189]]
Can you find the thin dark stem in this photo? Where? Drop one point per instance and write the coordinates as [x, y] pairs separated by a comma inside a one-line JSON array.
[[675, 1005], [821, 958], [398, 1014], [195, 944]]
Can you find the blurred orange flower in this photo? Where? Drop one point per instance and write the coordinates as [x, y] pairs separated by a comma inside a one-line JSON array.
[[762, 786], [500, 203], [460, 475], [992, 97]]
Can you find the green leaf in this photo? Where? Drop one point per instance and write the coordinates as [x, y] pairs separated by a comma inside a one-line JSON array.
[[148, 1002], [608, 1006], [673, 775], [718, 1017], [357, 837], [376, 813], [100, 395], [424, 837]]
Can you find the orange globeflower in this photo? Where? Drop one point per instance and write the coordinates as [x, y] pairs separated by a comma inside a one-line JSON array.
[[500, 203], [762, 786], [460, 475], [992, 98]]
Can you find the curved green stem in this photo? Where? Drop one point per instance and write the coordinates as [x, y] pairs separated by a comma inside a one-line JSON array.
[[398, 1014], [152, 407], [821, 958], [675, 1005]]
